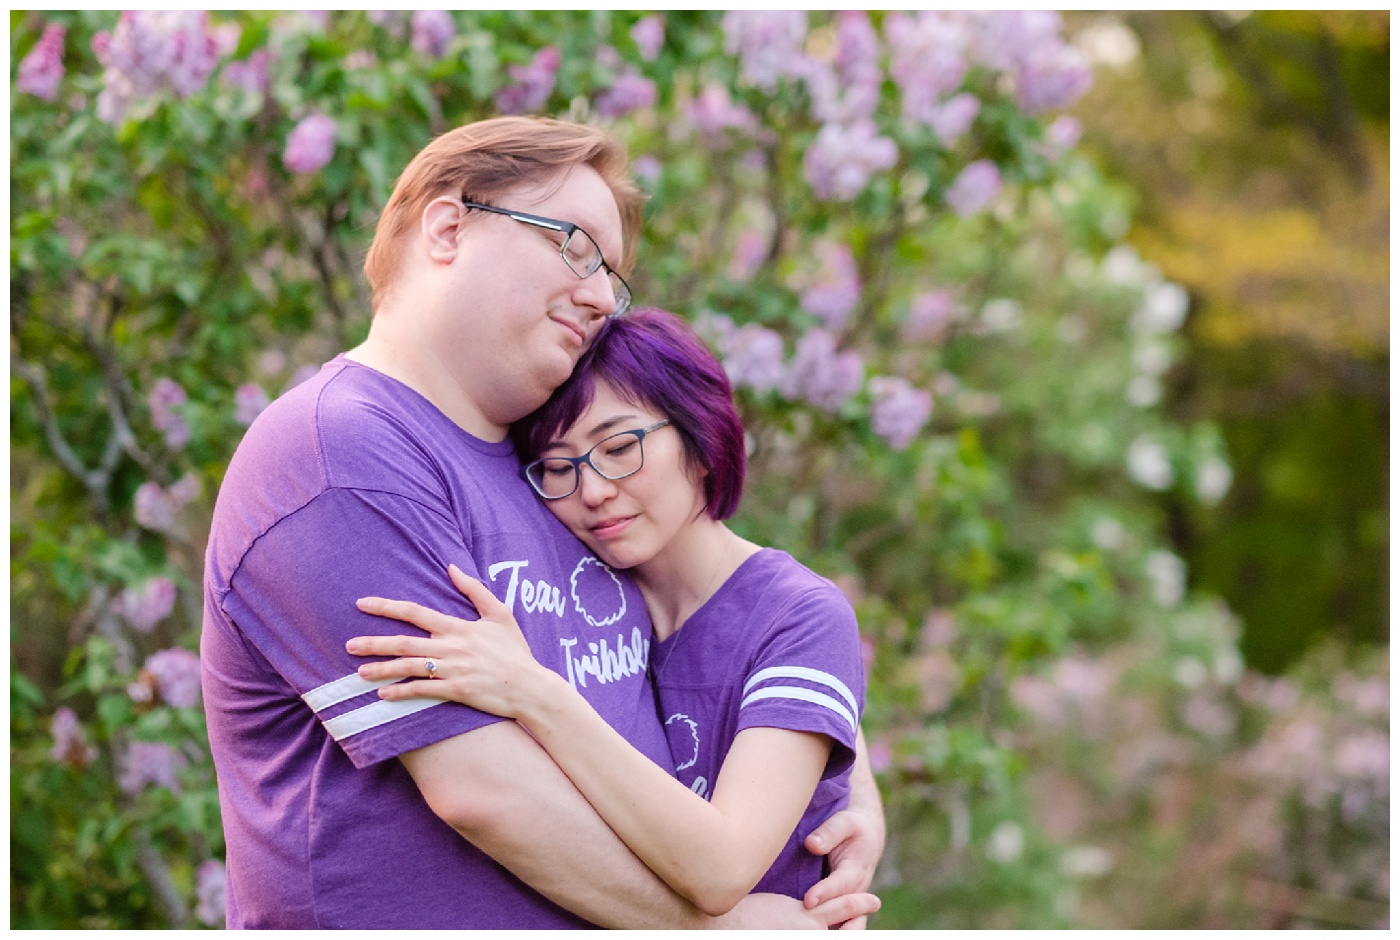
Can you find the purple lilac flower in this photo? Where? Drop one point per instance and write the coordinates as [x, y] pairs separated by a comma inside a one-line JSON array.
[[927, 59], [898, 410], [310, 145], [209, 888], [301, 375], [42, 69], [840, 162], [156, 508], [1055, 78], [250, 400], [1004, 39], [649, 33], [70, 744], [176, 674], [837, 289], [881, 756], [150, 762], [150, 50], [1061, 135], [750, 251], [249, 74], [647, 168], [753, 357], [768, 43], [712, 113], [953, 118], [534, 82], [165, 399], [147, 605], [821, 376], [432, 32], [929, 316], [975, 188], [849, 90], [630, 92], [391, 21]]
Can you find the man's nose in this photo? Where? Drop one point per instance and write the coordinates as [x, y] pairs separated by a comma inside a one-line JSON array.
[[595, 293]]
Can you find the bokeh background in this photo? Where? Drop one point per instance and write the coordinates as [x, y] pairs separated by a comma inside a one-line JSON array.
[[1062, 340]]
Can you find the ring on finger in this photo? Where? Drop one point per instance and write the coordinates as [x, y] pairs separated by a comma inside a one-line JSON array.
[[431, 666]]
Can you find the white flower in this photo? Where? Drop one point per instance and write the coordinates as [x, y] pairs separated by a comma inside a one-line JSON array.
[[1085, 861], [1108, 534], [1144, 391], [1168, 576], [1123, 266], [1149, 465], [1001, 315], [1190, 672], [1163, 308], [1006, 843], [1213, 479]]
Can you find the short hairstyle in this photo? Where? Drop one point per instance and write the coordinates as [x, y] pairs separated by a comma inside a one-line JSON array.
[[652, 357], [486, 158]]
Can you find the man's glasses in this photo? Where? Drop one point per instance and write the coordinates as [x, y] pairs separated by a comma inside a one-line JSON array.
[[579, 251], [612, 458]]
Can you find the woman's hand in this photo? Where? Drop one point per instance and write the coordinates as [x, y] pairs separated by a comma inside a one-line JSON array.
[[483, 663]]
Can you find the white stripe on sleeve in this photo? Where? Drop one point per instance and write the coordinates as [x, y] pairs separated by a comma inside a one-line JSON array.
[[803, 672], [374, 715], [805, 695], [341, 690]]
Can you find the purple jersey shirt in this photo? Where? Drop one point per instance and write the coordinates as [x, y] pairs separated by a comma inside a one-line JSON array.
[[777, 646], [354, 485]]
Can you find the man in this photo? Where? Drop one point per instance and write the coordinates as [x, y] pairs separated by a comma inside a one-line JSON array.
[[342, 810]]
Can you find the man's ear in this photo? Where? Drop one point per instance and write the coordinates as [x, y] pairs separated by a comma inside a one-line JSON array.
[[442, 221]]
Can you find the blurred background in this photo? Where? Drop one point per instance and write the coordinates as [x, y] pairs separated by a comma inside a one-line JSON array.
[[1062, 341]]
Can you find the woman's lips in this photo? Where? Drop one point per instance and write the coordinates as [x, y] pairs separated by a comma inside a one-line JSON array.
[[609, 528]]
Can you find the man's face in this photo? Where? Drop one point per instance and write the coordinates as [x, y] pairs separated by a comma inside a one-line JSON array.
[[522, 317]]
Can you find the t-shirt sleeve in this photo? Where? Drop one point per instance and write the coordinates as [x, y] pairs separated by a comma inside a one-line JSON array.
[[293, 597], [807, 674]]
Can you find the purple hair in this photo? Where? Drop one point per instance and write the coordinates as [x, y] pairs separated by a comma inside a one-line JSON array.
[[651, 357]]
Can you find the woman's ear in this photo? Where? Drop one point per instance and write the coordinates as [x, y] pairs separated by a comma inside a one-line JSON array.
[[442, 222]]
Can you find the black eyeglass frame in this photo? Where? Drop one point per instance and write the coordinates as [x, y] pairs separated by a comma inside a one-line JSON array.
[[578, 462], [623, 300]]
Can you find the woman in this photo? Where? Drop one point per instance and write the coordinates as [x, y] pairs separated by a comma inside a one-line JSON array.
[[757, 662]]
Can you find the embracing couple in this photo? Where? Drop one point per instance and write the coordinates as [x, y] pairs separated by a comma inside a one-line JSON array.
[[479, 650]]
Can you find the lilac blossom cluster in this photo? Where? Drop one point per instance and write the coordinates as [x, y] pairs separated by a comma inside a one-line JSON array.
[[533, 83], [649, 33], [174, 675], [820, 375], [70, 743], [41, 69], [768, 45], [249, 401], [165, 398], [975, 188], [630, 91], [712, 113], [898, 410], [145, 606], [844, 158], [310, 145], [152, 50], [156, 507], [210, 891], [752, 354], [151, 762], [250, 74], [432, 32], [836, 291], [930, 314]]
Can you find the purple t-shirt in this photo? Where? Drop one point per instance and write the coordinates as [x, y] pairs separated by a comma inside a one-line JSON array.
[[353, 485], [777, 646]]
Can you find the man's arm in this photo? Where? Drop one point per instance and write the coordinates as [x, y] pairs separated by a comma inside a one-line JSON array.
[[854, 838], [502, 792]]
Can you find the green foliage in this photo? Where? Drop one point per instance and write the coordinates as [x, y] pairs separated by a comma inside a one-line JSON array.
[[1016, 531]]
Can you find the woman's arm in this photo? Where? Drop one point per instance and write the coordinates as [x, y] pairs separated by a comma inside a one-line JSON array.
[[711, 852]]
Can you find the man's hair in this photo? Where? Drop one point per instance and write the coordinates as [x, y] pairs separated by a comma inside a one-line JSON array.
[[487, 158], [654, 359]]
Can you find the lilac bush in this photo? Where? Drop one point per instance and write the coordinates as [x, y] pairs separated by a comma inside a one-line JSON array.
[[952, 385]]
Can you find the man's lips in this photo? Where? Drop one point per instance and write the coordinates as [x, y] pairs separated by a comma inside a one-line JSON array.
[[574, 328]]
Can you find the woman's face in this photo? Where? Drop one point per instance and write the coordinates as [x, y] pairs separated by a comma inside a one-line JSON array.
[[630, 521]]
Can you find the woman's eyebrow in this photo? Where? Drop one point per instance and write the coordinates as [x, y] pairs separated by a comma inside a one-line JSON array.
[[599, 428]]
